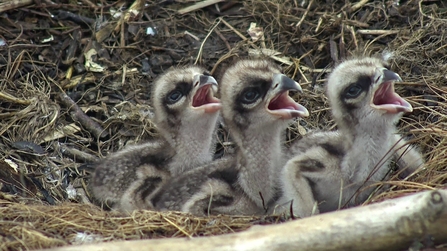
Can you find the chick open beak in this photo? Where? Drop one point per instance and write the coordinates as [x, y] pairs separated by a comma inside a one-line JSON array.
[[280, 103], [204, 89], [385, 98]]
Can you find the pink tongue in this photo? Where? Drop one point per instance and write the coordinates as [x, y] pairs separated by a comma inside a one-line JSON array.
[[386, 99], [200, 97], [384, 95], [282, 102]]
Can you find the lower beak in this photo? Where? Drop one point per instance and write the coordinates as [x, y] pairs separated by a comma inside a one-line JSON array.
[[204, 89], [280, 103]]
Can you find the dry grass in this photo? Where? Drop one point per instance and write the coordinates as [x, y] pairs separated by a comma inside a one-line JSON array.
[[43, 226], [44, 142]]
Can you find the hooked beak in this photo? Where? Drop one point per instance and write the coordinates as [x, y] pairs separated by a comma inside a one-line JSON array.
[[385, 98], [280, 103], [204, 89]]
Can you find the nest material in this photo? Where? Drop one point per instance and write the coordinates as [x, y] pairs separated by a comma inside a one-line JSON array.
[[75, 86], [42, 226]]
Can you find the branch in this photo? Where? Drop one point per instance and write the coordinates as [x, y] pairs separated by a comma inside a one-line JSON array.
[[78, 115]]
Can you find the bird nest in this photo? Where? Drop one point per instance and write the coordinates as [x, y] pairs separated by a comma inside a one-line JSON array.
[[76, 78]]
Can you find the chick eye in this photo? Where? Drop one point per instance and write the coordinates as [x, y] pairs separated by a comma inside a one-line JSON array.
[[353, 91], [174, 96], [250, 96]]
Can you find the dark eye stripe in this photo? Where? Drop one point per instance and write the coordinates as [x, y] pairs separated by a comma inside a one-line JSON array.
[[363, 82], [173, 97], [172, 114], [239, 106], [353, 91], [250, 95], [255, 83], [262, 86], [181, 89]]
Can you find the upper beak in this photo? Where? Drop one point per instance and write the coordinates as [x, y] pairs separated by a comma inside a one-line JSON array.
[[201, 79], [390, 76], [385, 98], [279, 103], [285, 83], [204, 89]]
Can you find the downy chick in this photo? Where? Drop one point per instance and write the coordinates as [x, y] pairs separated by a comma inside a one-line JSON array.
[[365, 108], [186, 115]]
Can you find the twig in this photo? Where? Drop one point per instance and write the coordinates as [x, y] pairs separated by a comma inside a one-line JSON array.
[[221, 59], [199, 5], [25, 46], [358, 5], [9, 98], [199, 55], [78, 115], [296, 68], [305, 14], [377, 32], [178, 227], [234, 30], [301, 73], [320, 21], [223, 39], [13, 67], [14, 4], [441, 47], [89, 3], [333, 49], [52, 121], [122, 33], [428, 16], [77, 154], [356, 23], [123, 77], [158, 48], [192, 35], [352, 31], [43, 14], [134, 10], [67, 15], [311, 82], [80, 79]]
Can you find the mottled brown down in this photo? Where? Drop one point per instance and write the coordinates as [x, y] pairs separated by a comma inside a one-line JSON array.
[[352, 159], [186, 115]]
